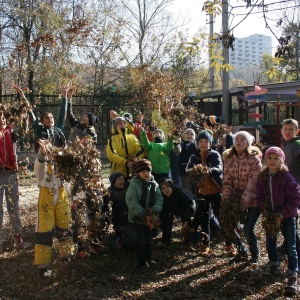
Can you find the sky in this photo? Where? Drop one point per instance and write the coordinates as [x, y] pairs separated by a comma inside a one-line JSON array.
[[254, 24]]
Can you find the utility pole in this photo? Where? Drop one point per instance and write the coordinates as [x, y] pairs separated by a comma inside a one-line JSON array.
[[211, 69], [225, 77]]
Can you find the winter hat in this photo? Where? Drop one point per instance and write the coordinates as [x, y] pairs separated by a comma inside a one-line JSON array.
[[249, 137], [277, 151], [113, 177], [158, 131], [190, 130], [141, 165], [205, 134], [212, 120], [116, 121], [92, 118], [166, 181]]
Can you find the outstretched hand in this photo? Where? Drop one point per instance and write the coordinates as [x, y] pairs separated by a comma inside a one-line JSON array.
[[64, 90], [18, 90]]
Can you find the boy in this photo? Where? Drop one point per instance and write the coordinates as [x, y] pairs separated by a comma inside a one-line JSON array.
[[122, 148], [9, 180], [45, 129], [158, 152], [53, 212], [291, 149], [143, 198]]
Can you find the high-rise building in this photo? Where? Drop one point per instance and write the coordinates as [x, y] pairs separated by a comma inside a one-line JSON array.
[[248, 51]]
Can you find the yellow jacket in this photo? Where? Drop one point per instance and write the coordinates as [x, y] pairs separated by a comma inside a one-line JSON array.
[[122, 146]]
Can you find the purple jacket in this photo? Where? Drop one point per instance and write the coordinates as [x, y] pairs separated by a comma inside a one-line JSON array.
[[283, 197]]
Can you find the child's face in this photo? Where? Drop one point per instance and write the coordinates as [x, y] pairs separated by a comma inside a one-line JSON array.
[[240, 143], [121, 124], [273, 162], [84, 120], [2, 122], [189, 136], [288, 131], [145, 174], [204, 145], [120, 182], [158, 134], [166, 190], [48, 120]]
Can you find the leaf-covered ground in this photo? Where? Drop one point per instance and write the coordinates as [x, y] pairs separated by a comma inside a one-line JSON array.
[[179, 274]]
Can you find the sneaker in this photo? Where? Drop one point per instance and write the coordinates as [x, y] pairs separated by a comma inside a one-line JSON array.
[[45, 274], [232, 251], [275, 270], [291, 288], [205, 251], [151, 262], [20, 243]]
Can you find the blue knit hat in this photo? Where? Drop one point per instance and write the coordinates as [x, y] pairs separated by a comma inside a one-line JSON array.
[[113, 177], [205, 134]]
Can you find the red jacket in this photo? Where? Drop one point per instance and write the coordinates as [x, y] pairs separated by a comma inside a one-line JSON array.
[[8, 155]]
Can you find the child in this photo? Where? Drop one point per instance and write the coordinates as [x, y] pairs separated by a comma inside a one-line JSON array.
[[143, 198], [208, 190], [46, 129], [84, 127], [9, 180], [122, 148], [158, 152], [186, 148], [282, 193], [175, 203], [242, 165], [117, 190], [53, 213]]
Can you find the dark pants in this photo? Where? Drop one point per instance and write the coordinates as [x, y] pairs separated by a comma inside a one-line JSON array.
[[203, 212], [144, 248], [174, 166]]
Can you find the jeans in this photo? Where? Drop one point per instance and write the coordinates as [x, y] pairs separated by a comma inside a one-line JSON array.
[[252, 216], [289, 234]]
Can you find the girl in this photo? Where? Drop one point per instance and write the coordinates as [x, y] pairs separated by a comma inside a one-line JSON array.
[[241, 168], [277, 191]]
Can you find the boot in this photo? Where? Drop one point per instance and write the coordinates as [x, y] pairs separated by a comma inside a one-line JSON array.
[[291, 288]]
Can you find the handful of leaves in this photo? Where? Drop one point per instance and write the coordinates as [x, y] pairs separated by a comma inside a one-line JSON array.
[[198, 173], [230, 214], [270, 219]]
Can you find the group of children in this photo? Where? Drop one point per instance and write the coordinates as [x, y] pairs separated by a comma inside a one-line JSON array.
[[143, 196], [235, 176]]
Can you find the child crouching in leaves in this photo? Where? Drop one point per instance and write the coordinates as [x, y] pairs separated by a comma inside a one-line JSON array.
[[278, 196], [176, 202], [53, 212], [143, 198]]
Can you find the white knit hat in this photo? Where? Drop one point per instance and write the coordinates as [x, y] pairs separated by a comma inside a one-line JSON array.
[[249, 137]]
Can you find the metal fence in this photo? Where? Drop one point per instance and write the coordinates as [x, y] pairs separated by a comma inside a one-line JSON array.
[[100, 105]]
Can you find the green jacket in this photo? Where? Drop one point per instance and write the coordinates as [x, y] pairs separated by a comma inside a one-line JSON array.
[[136, 208], [158, 154]]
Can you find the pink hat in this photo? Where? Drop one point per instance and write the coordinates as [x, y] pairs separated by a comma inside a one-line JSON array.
[[277, 151]]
